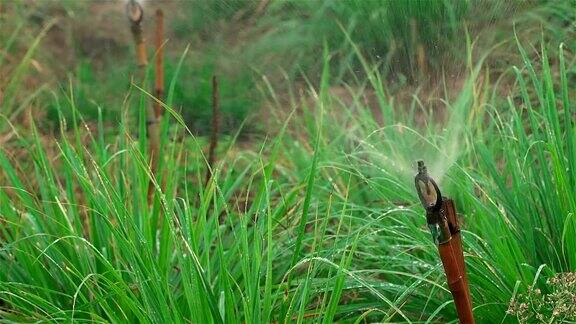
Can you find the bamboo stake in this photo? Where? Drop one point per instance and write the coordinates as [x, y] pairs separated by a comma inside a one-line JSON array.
[[456, 283], [155, 112], [443, 223], [456, 239], [135, 14], [215, 129], [159, 84]]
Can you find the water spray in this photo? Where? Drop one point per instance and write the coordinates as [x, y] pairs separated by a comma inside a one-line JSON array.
[[443, 223]]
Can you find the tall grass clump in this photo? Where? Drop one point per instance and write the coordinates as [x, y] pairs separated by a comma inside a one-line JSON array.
[[78, 234], [532, 163]]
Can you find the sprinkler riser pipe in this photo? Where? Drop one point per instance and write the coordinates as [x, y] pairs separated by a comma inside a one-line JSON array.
[[443, 224]]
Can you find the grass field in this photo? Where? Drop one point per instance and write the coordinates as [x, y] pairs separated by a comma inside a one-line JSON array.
[[310, 214]]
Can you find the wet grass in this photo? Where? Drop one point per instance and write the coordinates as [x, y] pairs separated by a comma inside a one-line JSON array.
[[316, 222]]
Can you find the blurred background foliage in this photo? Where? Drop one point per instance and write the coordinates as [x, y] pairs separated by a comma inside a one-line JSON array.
[[416, 45]]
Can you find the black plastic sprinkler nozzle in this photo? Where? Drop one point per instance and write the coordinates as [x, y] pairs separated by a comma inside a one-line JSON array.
[[427, 189]]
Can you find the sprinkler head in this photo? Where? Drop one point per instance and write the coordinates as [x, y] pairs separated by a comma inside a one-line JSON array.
[[431, 200], [427, 189], [134, 11]]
